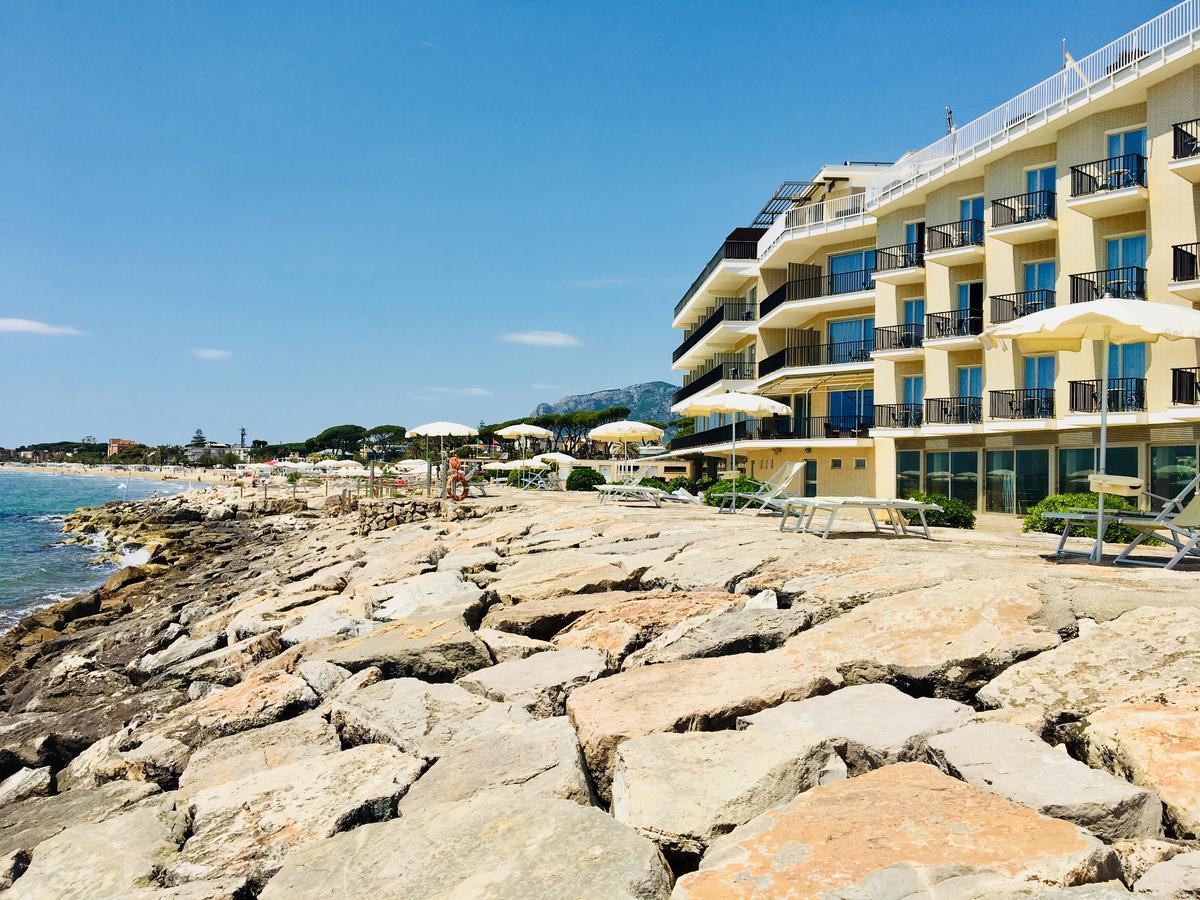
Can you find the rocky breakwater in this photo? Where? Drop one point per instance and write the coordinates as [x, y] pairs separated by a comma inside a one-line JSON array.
[[548, 698]]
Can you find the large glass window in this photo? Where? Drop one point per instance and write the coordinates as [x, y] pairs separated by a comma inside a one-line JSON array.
[[1039, 276], [852, 340], [849, 272], [1127, 142], [954, 473], [970, 295], [914, 389], [970, 381], [1016, 479], [1040, 179], [914, 233], [908, 473], [1171, 468], [1075, 465], [914, 311], [848, 408], [1126, 251], [1039, 372], [971, 208], [1127, 361]]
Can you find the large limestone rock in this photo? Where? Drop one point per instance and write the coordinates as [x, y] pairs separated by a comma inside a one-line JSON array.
[[684, 790], [834, 838], [539, 684], [23, 784], [540, 758], [24, 825], [1143, 653], [722, 633], [323, 677], [262, 698], [241, 755], [539, 576], [504, 646], [1157, 745], [433, 648], [127, 754], [419, 718], [494, 847], [875, 724], [226, 665], [1012, 762], [247, 827], [716, 563], [1176, 879], [443, 593], [542, 619], [183, 648], [692, 695]]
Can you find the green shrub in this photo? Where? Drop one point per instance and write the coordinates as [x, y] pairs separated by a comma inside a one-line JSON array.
[[955, 514], [514, 478], [681, 481], [703, 483], [584, 479], [725, 485], [653, 481], [1035, 519]]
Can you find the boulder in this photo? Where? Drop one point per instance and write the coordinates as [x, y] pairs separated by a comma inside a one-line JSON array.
[[24, 825], [247, 827], [25, 783], [1136, 857], [1143, 653], [539, 576], [469, 561], [326, 622], [829, 841], [716, 563], [419, 718], [181, 649], [1014, 763], [542, 619], [1176, 879], [874, 724], [323, 677], [723, 633], [227, 665], [128, 754], [245, 753], [541, 758], [491, 848], [441, 593], [504, 646], [262, 698], [539, 684], [684, 790], [433, 648], [12, 866]]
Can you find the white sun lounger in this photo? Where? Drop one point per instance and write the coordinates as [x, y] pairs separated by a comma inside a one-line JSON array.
[[767, 495], [805, 510]]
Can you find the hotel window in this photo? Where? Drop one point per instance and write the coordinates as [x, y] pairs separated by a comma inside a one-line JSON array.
[[1039, 373], [970, 381], [860, 463], [1039, 276], [1075, 465], [908, 473], [914, 389], [953, 473], [1040, 179], [1171, 468], [970, 208], [914, 233], [851, 340], [848, 409], [835, 464], [849, 272], [1127, 360], [1015, 480], [1127, 142], [914, 311]]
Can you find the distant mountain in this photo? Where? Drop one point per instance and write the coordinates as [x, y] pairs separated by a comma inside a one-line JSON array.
[[649, 401]]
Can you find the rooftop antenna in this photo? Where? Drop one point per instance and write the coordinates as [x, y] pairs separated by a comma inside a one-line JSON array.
[[243, 444], [949, 120]]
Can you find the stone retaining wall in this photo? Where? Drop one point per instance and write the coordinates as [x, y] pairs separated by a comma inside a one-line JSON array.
[[374, 515]]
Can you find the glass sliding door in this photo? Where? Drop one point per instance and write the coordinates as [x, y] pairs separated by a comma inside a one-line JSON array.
[[851, 340], [955, 474], [937, 473], [970, 381], [908, 473], [849, 272], [1016, 480], [1171, 468], [1039, 276], [1075, 465], [1040, 179]]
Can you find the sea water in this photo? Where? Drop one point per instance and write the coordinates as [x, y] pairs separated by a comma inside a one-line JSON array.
[[35, 568]]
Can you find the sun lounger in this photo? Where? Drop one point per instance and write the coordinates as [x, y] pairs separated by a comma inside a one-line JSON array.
[[618, 490], [805, 510], [769, 490], [1127, 487], [1180, 529]]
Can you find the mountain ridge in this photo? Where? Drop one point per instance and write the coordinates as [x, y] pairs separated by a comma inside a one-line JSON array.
[[648, 400]]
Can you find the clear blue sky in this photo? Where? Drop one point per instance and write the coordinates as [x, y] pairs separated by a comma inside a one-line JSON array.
[[344, 206]]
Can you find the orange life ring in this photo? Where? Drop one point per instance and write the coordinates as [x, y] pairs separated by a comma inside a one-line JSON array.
[[455, 463], [457, 488]]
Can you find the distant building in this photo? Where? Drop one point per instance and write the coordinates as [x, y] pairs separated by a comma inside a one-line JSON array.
[[116, 445], [214, 449]]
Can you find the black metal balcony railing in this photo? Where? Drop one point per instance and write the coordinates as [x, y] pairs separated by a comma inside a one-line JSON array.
[[731, 371], [953, 410], [1007, 307], [1187, 139], [841, 353], [1184, 259], [1185, 386], [709, 436], [1027, 403], [818, 286], [731, 249], [846, 427], [1112, 174], [901, 256], [733, 311], [952, 235], [897, 415], [1124, 395], [956, 323], [1127, 282], [899, 337], [1022, 208]]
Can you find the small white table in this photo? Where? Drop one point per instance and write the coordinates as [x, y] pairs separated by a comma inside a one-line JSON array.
[[805, 510]]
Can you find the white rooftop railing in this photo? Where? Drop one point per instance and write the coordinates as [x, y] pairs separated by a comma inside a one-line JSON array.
[[827, 212], [1179, 22]]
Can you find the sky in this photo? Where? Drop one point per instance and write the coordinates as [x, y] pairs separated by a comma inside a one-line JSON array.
[[291, 215]]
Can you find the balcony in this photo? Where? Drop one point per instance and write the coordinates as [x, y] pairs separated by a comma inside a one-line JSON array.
[[1127, 282], [708, 436], [1185, 393], [954, 411], [1109, 187], [780, 428], [844, 355], [721, 372], [899, 341], [739, 254], [803, 227], [795, 302], [725, 326], [1025, 218], [1026, 404], [1124, 395], [1185, 160], [901, 264], [955, 330], [897, 415], [1185, 271], [1008, 307], [955, 243]]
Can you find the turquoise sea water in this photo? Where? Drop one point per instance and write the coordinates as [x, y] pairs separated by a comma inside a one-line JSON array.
[[34, 568]]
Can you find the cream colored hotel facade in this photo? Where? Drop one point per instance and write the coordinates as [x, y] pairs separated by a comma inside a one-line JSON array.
[[858, 298]]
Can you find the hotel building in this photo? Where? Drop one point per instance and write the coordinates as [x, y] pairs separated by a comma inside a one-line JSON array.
[[858, 298]]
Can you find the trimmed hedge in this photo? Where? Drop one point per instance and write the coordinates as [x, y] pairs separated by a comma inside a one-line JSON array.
[[653, 481], [955, 514], [725, 485], [1035, 519], [584, 480], [681, 481]]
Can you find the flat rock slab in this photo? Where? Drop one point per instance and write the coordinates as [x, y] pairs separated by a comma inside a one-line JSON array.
[[541, 758], [1143, 653], [490, 848], [419, 718], [23, 784], [504, 646], [692, 695], [875, 724], [542, 619], [539, 576], [1177, 878], [1014, 763], [247, 827], [722, 633], [684, 790], [833, 838], [241, 755], [262, 698], [540, 684], [442, 593], [715, 563], [1156, 745], [434, 648], [24, 825]]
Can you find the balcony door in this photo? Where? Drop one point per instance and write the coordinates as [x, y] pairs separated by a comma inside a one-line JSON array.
[[848, 410], [970, 208], [848, 272], [1127, 251], [1127, 360], [1039, 373], [914, 311], [1127, 142], [1040, 179], [970, 304], [851, 340], [914, 233], [1039, 276], [914, 389], [970, 381]]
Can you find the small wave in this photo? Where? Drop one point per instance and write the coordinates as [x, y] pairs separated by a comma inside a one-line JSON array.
[[137, 557], [47, 518]]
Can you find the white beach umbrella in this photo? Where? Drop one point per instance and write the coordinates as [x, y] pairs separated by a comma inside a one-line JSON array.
[[625, 432], [524, 431], [495, 467], [441, 431], [556, 459], [1109, 321], [752, 406]]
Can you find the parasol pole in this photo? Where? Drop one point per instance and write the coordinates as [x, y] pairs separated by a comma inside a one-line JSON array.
[[1098, 550], [733, 460]]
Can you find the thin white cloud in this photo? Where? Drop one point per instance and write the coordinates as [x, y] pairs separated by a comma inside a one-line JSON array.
[[212, 353], [542, 386], [463, 392], [541, 338], [30, 326]]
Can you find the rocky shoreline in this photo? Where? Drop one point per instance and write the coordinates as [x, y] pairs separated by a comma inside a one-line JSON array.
[[535, 696]]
